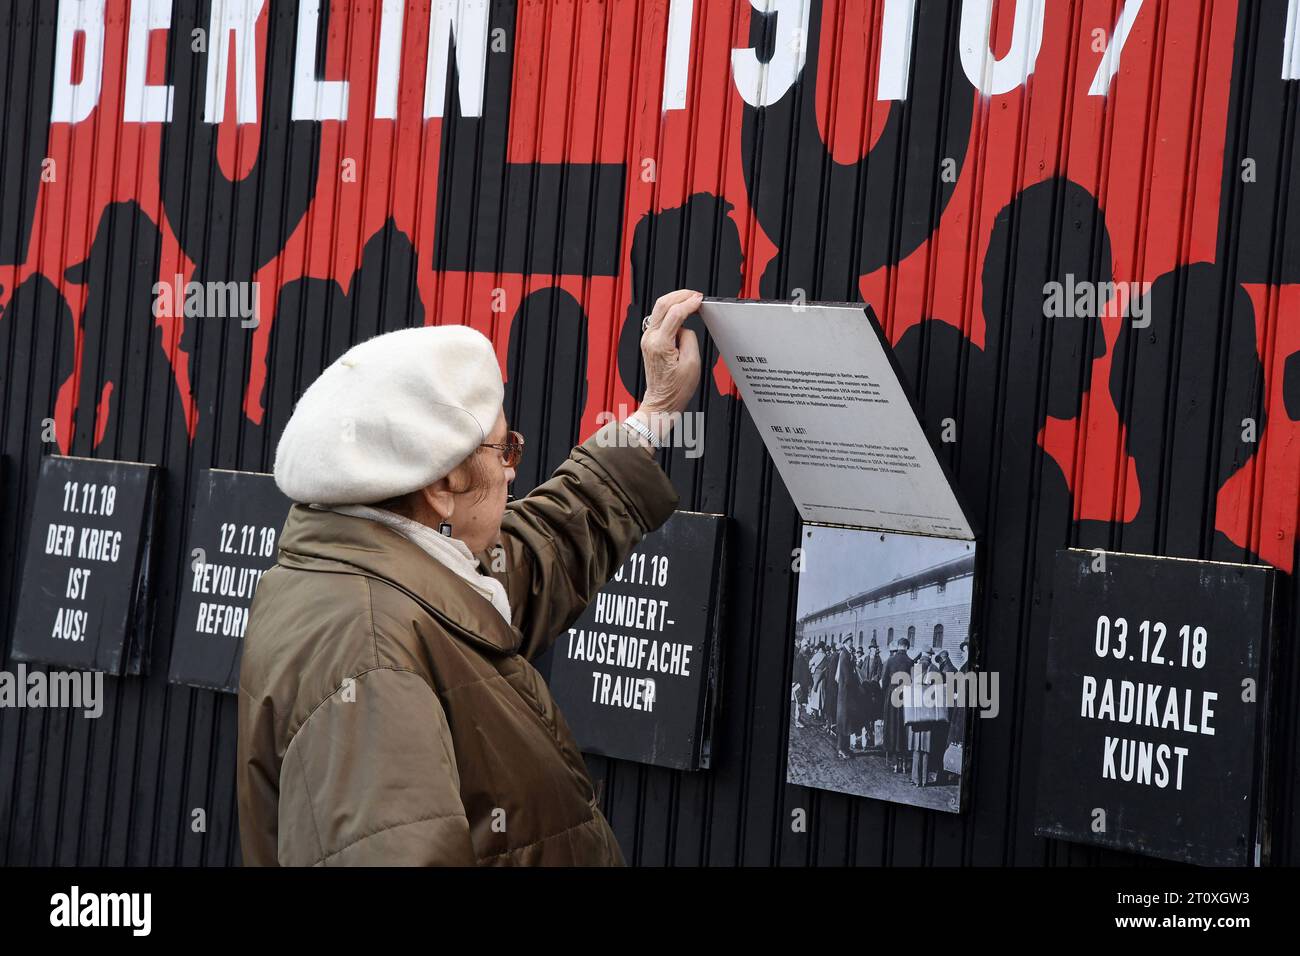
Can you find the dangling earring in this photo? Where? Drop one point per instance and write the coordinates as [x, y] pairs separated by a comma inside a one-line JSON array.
[[445, 528]]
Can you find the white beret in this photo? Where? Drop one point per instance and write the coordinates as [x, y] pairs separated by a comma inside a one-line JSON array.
[[391, 415]]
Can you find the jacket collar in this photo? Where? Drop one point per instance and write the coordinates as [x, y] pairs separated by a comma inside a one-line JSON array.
[[315, 540]]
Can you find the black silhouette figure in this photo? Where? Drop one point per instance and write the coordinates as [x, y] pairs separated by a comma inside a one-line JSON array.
[[983, 408], [1190, 391], [316, 321], [37, 331], [546, 386], [126, 377], [692, 246]]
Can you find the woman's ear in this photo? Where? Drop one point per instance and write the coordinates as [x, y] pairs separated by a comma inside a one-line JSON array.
[[438, 500]]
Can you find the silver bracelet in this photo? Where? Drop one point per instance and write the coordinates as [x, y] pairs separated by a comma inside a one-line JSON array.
[[642, 430]]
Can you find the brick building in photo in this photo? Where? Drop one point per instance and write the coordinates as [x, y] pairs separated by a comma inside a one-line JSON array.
[[930, 607]]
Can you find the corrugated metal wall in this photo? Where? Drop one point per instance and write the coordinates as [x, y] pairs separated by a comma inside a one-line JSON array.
[[617, 153]]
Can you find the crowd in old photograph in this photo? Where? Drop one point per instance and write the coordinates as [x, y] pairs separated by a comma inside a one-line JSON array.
[[845, 691]]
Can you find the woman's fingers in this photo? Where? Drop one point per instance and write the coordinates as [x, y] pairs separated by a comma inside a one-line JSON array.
[[671, 353], [665, 303], [662, 334], [678, 313]]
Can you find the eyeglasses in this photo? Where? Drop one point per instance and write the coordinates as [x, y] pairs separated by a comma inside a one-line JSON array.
[[512, 449]]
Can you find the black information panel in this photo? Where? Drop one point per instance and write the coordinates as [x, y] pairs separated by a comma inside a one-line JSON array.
[[234, 532], [84, 598], [1155, 717], [636, 674]]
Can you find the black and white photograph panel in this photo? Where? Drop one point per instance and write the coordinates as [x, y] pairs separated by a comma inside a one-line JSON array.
[[881, 638]]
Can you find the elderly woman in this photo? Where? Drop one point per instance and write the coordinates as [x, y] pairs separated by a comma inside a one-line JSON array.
[[388, 709]]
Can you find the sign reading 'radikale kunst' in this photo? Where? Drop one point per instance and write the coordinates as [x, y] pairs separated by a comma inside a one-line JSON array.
[[1156, 706]]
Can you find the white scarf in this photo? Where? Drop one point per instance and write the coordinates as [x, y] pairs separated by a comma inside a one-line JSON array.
[[451, 552]]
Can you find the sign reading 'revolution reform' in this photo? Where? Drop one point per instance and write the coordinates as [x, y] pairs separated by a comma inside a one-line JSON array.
[[1156, 706], [84, 598], [232, 542]]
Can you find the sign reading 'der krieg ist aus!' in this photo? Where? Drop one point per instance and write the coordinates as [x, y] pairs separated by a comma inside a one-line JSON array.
[[84, 598], [1155, 715]]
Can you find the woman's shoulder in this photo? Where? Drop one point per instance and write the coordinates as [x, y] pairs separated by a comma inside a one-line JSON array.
[[330, 625]]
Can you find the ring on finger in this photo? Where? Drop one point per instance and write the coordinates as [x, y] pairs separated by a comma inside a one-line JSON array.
[[645, 323]]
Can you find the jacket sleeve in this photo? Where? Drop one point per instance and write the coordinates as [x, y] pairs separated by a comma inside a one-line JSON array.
[[567, 538], [370, 779]]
